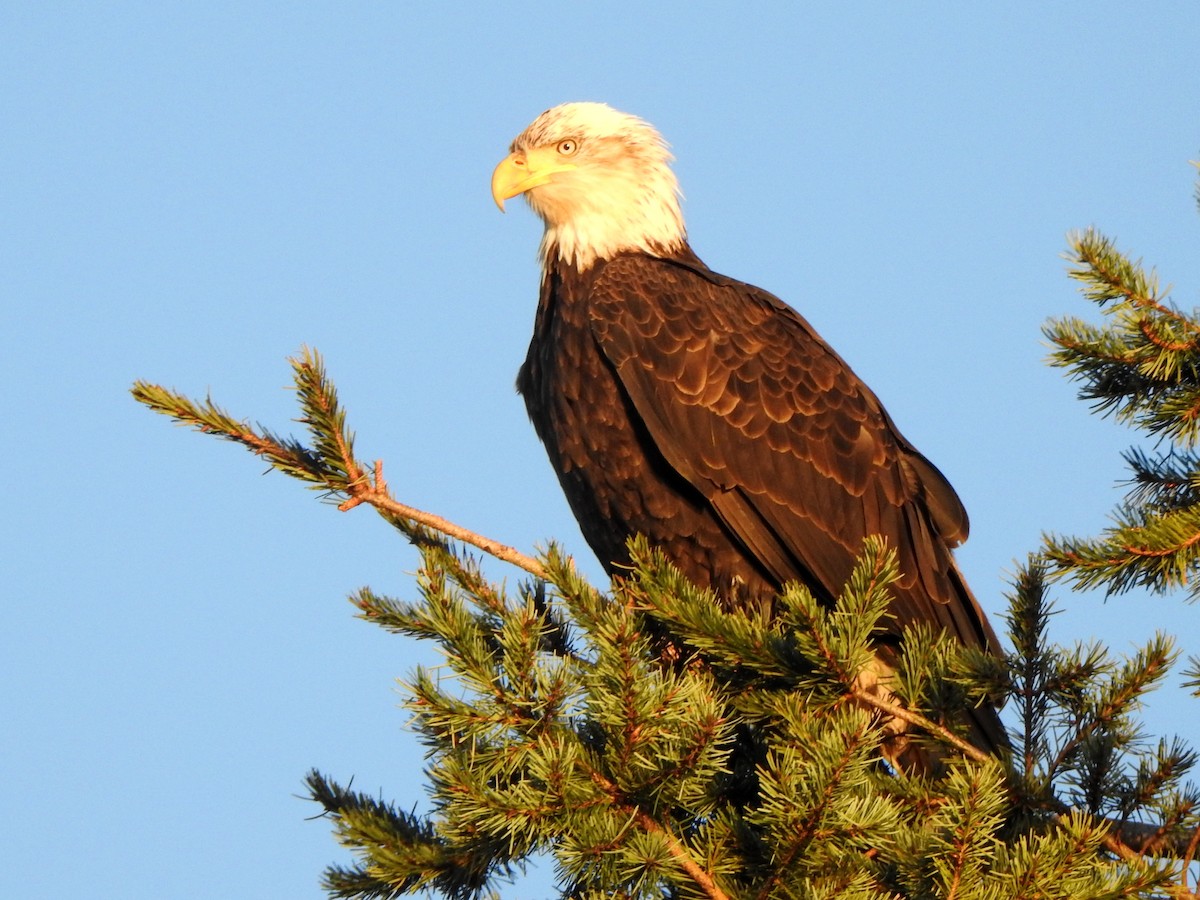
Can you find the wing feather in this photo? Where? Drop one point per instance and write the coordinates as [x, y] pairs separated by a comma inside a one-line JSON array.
[[794, 453]]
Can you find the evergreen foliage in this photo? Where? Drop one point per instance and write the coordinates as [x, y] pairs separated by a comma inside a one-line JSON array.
[[1141, 366], [656, 744]]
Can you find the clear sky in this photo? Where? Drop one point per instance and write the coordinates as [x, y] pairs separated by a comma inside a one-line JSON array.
[[191, 191]]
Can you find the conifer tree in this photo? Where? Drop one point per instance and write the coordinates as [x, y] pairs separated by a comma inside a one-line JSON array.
[[654, 744]]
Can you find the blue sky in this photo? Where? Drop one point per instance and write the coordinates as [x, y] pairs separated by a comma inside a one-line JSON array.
[[190, 192]]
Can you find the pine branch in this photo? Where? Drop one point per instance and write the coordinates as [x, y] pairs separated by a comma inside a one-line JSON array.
[[559, 723], [413, 853], [1157, 549], [1108, 275], [1143, 366], [1163, 482], [697, 873], [970, 834], [1077, 712], [286, 455], [1107, 707], [330, 464], [805, 787]]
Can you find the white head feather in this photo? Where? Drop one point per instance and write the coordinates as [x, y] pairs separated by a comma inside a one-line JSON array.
[[621, 195]]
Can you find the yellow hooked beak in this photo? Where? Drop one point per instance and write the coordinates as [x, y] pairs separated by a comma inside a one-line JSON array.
[[520, 171]]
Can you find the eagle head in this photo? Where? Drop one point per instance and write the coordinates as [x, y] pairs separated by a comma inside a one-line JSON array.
[[600, 180]]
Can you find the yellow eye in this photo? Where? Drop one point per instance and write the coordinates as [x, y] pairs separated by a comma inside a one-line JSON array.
[[567, 147]]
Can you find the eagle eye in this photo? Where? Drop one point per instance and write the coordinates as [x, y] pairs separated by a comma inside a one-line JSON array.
[[567, 147]]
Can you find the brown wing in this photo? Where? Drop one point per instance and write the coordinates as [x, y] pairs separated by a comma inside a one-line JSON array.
[[793, 451]]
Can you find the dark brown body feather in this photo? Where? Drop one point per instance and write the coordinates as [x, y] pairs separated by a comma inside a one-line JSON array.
[[708, 415]]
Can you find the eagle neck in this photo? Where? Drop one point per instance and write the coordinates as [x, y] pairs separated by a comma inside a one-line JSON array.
[[558, 267], [583, 248], [564, 283]]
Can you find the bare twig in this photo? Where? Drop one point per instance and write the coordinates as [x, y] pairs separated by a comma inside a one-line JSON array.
[[375, 492]]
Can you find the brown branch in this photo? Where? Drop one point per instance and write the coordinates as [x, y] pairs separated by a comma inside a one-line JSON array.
[[1116, 845], [1189, 854], [1148, 332], [704, 881], [1127, 840], [1153, 303], [1130, 840], [1155, 554], [375, 492], [912, 718]]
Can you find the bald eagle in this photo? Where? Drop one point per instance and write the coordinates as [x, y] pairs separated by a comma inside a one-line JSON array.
[[705, 413]]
